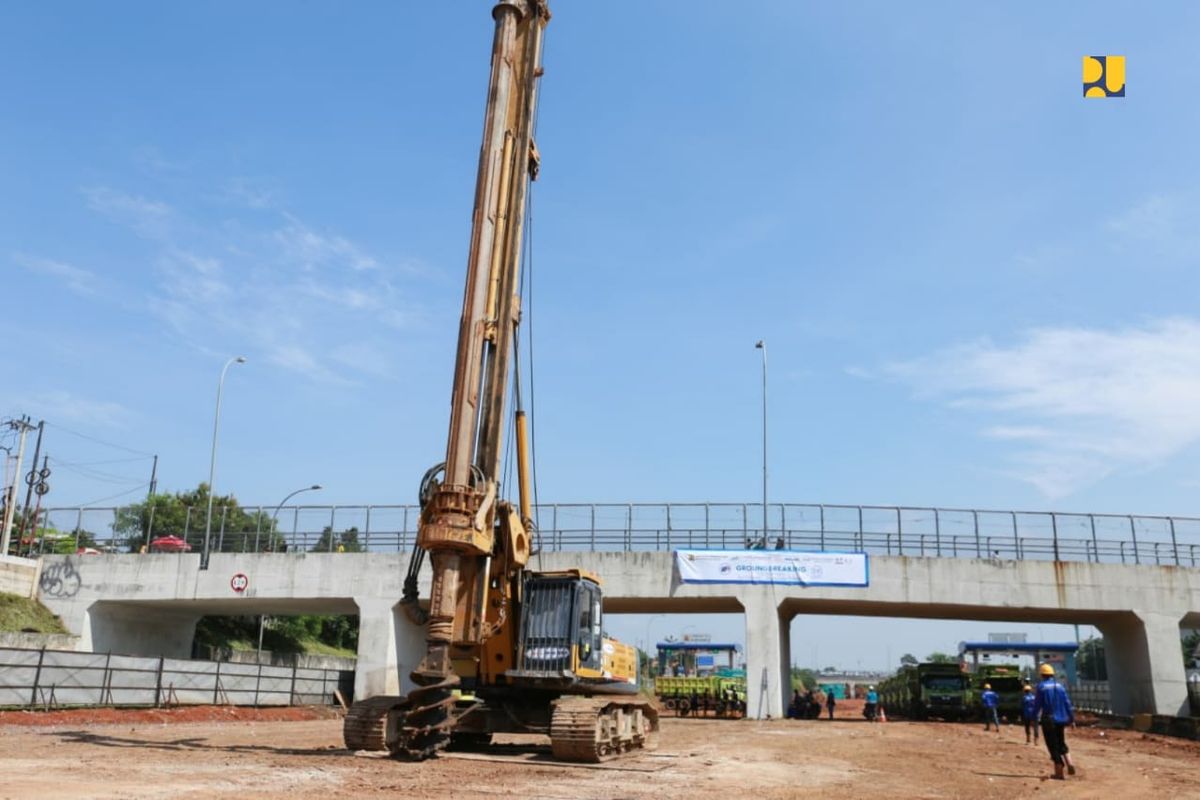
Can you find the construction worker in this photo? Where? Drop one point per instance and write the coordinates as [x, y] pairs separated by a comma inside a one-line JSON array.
[[793, 711], [830, 703], [872, 704], [1053, 707], [1029, 714], [991, 708]]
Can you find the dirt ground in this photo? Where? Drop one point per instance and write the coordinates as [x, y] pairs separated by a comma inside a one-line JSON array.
[[272, 754]]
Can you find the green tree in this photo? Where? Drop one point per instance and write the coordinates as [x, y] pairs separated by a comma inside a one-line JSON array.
[[64, 543], [183, 514], [908, 660], [940, 658], [34, 535], [346, 541], [1191, 647], [26, 528], [1089, 661], [804, 678]]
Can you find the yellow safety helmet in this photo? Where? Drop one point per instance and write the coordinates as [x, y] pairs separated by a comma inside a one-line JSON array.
[[987, 686], [1047, 670]]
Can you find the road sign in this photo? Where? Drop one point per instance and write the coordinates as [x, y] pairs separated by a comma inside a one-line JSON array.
[[239, 582]]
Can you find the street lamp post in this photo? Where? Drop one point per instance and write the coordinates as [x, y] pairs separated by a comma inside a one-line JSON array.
[[212, 464], [762, 345], [275, 514], [274, 524]]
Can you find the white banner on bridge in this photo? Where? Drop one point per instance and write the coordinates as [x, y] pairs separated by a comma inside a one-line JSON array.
[[783, 567]]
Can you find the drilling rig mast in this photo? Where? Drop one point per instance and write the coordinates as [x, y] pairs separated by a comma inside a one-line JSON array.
[[507, 649]]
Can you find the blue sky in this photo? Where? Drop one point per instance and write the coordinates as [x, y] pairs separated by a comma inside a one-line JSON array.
[[977, 288]]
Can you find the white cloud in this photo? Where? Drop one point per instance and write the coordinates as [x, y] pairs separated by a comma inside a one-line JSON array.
[[249, 193], [74, 278], [367, 358], [63, 406], [268, 284], [1078, 403], [346, 296], [193, 278], [149, 218], [1163, 224], [311, 249]]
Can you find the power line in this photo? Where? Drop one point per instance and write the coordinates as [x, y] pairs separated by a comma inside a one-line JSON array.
[[106, 461], [114, 496], [100, 441], [95, 474]]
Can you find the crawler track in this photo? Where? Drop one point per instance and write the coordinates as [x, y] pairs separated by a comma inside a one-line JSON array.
[[366, 723], [595, 729]]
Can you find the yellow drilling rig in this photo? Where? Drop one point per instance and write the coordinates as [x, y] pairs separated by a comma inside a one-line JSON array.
[[508, 650]]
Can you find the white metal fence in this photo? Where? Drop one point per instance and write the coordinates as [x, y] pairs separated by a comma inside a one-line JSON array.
[[52, 678], [1091, 696], [881, 530]]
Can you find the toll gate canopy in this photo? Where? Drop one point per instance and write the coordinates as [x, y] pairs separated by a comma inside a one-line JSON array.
[[696, 658], [1060, 655]]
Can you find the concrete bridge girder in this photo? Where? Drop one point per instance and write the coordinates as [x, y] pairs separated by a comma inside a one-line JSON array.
[[148, 605]]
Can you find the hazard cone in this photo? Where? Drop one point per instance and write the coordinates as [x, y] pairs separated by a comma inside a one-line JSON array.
[[882, 715]]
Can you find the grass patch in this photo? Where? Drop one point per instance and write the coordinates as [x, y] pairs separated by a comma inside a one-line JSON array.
[[21, 614], [281, 635], [318, 648]]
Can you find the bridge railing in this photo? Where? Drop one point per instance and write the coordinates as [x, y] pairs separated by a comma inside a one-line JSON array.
[[882, 530]]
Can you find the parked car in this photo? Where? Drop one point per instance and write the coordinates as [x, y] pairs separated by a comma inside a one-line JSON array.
[[169, 544]]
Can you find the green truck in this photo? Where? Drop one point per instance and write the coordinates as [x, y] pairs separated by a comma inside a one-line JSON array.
[[1006, 681], [713, 695], [927, 691]]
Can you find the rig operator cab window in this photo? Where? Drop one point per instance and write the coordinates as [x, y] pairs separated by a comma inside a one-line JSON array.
[[591, 651]]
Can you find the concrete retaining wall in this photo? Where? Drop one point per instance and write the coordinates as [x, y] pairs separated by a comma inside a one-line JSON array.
[[303, 660], [18, 575], [36, 641]]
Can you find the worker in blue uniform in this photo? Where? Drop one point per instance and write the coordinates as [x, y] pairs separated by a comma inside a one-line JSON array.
[[1029, 715], [991, 708], [1053, 708]]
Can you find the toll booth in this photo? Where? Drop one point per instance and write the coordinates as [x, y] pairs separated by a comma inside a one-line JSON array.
[[1028, 655], [696, 658]]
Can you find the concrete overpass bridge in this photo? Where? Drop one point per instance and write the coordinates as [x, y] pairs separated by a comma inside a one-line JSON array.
[[149, 604]]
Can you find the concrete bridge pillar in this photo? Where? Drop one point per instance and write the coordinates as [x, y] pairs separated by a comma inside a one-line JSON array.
[[1146, 674], [389, 647], [768, 658]]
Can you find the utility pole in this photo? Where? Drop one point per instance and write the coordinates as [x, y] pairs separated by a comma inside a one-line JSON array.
[[41, 488], [22, 425], [150, 502], [32, 478]]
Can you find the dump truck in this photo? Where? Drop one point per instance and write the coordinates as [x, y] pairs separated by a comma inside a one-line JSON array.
[[1005, 680], [928, 690], [709, 696], [691, 683], [508, 649]]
